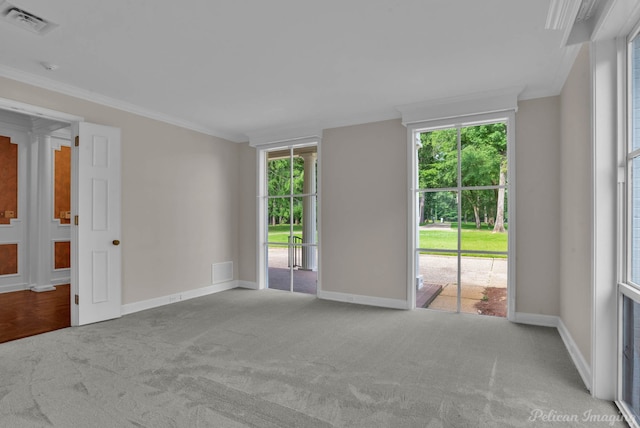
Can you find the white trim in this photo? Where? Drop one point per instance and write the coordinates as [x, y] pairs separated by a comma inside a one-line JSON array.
[[43, 288], [31, 110], [617, 19], [263, 146], [251, 285], [319, 215], [74, 91], [13, 287], [513, 217], [509, 117], [454, 107], [143, 305], [604, 146], [536, 319], [285, 137], [382, 302], [412, 230], [627, 415], [261, 212], [561, 16], [584, 369]]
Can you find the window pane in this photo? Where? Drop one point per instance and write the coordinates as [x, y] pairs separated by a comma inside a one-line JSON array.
[[631, 355], [438, 211], [635, 93], [483, 285], [305, 160], [484, 220], [279, 274], [484, 155], [438, 159], [437, 282], [278, 215], [279, 176], [635, 221]]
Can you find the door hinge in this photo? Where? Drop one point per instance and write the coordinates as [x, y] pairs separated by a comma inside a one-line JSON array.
[[77, 299], [77, 140], [75, 220]]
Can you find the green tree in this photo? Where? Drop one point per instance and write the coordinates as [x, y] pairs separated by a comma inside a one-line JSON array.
[[279, 184], [482, 163]]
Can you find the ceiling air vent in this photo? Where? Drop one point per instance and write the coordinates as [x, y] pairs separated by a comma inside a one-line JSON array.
[[27, 20]]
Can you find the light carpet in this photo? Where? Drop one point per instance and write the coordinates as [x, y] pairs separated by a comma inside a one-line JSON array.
[[276, 359]]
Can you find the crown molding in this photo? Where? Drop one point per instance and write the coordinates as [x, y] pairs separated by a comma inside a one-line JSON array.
[[561, 17], [76, 92], [445, 108], [562, 14]]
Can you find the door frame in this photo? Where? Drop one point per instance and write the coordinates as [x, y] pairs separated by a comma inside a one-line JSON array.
[[261, 211], [506, 116], [72, 120]]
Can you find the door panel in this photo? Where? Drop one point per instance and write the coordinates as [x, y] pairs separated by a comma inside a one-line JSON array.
[[96, 202], [13, 192]]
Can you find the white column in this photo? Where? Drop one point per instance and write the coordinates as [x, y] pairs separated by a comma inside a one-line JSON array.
[[44, 194], [309, 212]]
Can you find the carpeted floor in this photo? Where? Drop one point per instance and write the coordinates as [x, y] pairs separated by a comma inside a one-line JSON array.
[[271, 359]]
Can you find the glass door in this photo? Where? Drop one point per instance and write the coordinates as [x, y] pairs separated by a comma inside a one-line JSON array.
[[291, 218], [461, 240]]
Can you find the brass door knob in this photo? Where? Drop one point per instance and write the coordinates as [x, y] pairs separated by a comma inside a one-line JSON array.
[[116, 242]]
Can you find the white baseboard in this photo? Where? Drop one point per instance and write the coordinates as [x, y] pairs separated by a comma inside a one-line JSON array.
[[578, 359], [247, 284], [43, 288], [131, 308], [574, 352], [536, 319], [363, 300], [13, 287]]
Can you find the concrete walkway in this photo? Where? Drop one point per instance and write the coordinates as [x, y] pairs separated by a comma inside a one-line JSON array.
[[477, 273], [439, 276]]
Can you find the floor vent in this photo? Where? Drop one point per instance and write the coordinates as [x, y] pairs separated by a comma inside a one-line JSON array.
[[221, 272]]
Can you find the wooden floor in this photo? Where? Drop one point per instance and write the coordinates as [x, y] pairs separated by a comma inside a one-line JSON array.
[[26, 313]]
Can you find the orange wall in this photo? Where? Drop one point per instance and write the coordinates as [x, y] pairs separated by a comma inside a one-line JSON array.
[[62, 184], [8, 179], [8, 259], [62, 255]]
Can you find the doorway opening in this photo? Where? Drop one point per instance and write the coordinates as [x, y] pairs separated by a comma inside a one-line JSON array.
[[35, 217], [290, 204], [461, 241]]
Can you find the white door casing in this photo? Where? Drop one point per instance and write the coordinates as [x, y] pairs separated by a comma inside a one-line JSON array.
[[95, 200]]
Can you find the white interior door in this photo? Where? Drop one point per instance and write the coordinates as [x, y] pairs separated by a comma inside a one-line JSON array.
[[95, 206]]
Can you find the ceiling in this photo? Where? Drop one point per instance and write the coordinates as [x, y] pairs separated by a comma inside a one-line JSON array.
[[232, 68]]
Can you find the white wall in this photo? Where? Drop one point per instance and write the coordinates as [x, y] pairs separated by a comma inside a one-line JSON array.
[[179, 196], [538, 206], [247, 223], [575, 179], [364, 210], [189, 201]]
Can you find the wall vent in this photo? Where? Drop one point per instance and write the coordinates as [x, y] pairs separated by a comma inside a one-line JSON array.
[[27, 20], [221, 272]]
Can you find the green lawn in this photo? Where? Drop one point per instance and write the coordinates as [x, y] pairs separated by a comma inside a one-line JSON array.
[[280, 232], [471, 239]]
